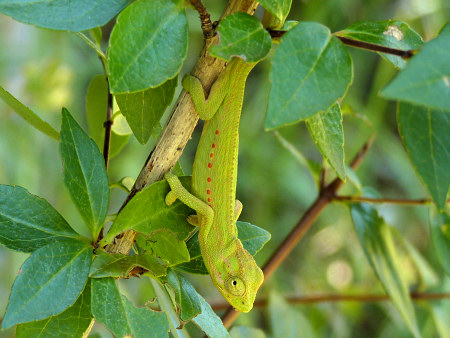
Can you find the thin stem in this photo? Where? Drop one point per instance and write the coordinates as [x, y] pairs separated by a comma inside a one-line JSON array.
[[400, 201], [285, 248], [108, 126], [92, 45], [340, 298], [205, 19]]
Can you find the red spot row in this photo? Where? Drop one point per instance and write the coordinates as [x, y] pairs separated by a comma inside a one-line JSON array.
[[210, 165], [217, 132], [209, 179], [208, 192]]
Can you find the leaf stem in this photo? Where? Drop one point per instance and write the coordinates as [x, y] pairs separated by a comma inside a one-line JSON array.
[[325, 197], [340, 298], [92, 45]]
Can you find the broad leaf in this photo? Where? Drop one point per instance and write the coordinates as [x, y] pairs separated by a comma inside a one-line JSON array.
[[253, 239], [440, 233], [243, 35], [84, 173], [328, 133], [147, 213], [311, 70], [246, 332], [426, 78], [122, 317], [71, 15], [165, 245], [287, 321], [118, 265], [60, 269], [376, 239], [278, 8], [96, 108], [425, 135], [28, 222], [27, 114], [143, 110], [388, 33], [149, 56], [72, 322], [186, 296]]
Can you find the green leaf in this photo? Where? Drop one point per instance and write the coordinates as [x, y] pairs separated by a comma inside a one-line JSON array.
[[426, 78], [246, 332], [327, 132], [286, 321], [278, 8], [84, 173], [166, 246], [186, 296], [242, 35], [27, 114], [72, 322], [376, 239], [28, 222], [122, 317], [96, 108], [149, 56], [143, 110], [209, 322], [425, 135], [60, 269], [147, 212], [253, 239], [311, 70], [118, 265], [388, 33], [440, 233], [71, 15]]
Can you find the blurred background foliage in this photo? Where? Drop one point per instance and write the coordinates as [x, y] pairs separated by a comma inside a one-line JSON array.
[[48, 70]]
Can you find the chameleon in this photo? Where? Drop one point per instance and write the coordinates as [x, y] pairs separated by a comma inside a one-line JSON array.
[[233, 269]]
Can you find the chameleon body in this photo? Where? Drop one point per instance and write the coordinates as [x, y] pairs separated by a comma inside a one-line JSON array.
[[233, 270]]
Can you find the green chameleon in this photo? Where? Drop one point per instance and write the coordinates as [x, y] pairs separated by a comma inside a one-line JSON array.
[[232, 269]]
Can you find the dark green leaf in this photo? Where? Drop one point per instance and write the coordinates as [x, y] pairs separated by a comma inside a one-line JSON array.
[[287, 321], [328, 133], [186, 296], [253, 239], [246, 332], [27, 114], [122, 317], [165, 245], [425, 135], [244, 36], [440, 233], [152, 54], [118, 265], [48, 282], [147, 212], [84, 173], [96, 108], [311, 70], [278, 8], [72, 322], [426, 78], [28, 222], [143, 110], [388, 33], [376, 239], [71, 15]]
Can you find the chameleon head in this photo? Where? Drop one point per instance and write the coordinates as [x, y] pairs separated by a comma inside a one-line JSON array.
[[239, 279]]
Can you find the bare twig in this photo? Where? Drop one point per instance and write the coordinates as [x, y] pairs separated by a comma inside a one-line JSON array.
[[108, 125], [205, 19], [402, 201], [340, 298], [284, 249]]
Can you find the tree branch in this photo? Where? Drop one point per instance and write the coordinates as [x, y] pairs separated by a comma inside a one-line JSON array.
[[401, 201], [340, 298], [178, 131], [326, 196], [205, 19]]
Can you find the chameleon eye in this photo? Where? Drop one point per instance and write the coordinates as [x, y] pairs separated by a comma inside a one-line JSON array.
[[235, 286]]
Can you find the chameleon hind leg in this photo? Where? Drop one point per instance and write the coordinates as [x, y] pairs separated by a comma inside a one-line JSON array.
[[180, 192]]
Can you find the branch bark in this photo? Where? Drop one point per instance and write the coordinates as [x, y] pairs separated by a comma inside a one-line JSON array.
[[178, 131]]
